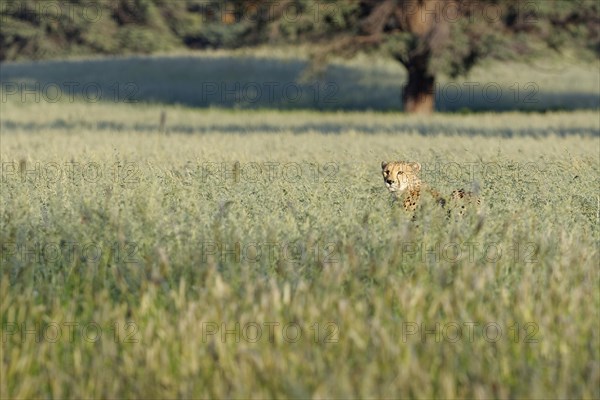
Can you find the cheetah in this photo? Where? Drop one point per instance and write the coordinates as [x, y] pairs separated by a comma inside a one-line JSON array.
[[402, 180]]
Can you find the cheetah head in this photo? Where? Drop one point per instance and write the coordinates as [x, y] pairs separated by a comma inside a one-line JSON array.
[[400, 175]]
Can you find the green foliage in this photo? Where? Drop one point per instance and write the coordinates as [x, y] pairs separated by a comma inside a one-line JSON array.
[[503, 30], [306, 19], [36, 30], [137, 39]]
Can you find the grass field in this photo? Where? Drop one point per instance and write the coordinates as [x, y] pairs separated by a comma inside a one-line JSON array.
[[256, 253]]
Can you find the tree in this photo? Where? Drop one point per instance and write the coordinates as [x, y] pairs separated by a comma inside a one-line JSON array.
[[428, 37]]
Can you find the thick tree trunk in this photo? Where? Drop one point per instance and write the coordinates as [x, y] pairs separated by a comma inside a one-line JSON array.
[[422, 19], [419, 93]]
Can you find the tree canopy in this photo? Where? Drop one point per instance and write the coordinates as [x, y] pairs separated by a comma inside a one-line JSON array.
[[432, 37]]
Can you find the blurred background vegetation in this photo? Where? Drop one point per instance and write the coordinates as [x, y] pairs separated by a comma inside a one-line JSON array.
[[33, 29], [429, 40], [40, 30]]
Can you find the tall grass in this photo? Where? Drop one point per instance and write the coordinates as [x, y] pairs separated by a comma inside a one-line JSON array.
[[269, 261]]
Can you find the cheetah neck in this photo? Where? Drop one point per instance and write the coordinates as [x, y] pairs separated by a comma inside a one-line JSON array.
[[414, 185]]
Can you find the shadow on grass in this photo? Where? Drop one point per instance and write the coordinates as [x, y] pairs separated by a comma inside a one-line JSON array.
[[249, 83], [308, 127]]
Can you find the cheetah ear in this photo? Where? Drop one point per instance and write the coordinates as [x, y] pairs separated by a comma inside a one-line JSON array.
[[384, 164], [416, 166]]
